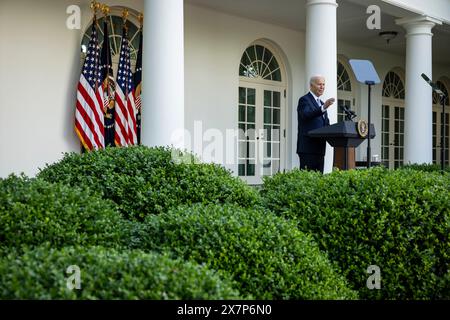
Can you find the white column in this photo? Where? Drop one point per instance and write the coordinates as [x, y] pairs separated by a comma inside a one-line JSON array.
[[163, 68], [321, 55], [418, 94]]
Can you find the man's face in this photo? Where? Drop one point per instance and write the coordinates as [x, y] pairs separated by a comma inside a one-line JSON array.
[[318, 86]]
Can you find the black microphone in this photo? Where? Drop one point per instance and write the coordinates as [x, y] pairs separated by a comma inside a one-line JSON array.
[[432, 84], [350, 113], [428, 80]]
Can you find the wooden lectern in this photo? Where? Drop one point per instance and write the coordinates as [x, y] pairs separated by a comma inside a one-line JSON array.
[[344, 137], [339, 158]]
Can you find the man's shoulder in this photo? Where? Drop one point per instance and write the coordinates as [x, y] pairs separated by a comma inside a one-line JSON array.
[[304, 98]]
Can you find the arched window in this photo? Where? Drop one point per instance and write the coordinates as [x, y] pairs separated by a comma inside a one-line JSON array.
[[115, 36], [258, 61], [437, 98], [393, 86], [345, 94], [343, 79]]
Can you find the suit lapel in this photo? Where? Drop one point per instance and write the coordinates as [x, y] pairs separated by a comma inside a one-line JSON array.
[[312, 100]]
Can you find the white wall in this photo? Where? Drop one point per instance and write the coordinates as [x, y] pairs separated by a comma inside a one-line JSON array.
[[40, 67], [214, 44]]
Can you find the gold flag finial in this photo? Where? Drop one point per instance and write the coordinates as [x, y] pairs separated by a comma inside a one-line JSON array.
[[125, 15], [105, 10], [95, 6], [141, 19]]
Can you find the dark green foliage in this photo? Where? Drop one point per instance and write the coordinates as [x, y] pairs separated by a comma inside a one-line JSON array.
[[426, 167], [265, 254], [108, 274], [398, 220], [33, 212], [144, 181]]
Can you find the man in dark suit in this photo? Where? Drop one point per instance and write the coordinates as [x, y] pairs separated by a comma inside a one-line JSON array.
[[312, 114]]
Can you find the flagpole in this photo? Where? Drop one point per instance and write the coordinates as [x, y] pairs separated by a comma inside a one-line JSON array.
[[138, 89], [106, 11], [125, 14], [95, 6]]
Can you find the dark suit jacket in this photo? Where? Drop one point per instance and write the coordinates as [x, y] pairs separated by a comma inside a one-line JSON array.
[[310, 117]]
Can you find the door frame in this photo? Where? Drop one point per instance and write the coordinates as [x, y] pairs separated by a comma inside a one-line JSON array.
[[392, 104], [260, 86]]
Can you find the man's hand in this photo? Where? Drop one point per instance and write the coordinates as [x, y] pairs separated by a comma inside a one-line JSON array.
[[328, 103]]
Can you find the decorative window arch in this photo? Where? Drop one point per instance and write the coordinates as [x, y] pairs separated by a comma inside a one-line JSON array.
[[259, 62], [393, 86], [443, 88], [343, 79], [115, 33]]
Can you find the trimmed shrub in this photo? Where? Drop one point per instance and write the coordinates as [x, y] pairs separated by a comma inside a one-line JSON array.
[[108, 274], [397, 220], [33, 212], [144, 181], [425, 167], [265, 254]]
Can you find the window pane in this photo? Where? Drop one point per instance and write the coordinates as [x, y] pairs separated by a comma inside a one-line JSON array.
[[251, 131], [250, 170], [251, 150], [273, 65], [259, 52], [267, 98], [276, 99], [241, 169], [276, 116], [251, 96], [276, 133], [251, 114], [242, 149], [267, 150], [242, 113], [241, 95], [251, 53], [276, 76], [276, 150], [268, 132], [276, 166], [268, 115], [242, 131]]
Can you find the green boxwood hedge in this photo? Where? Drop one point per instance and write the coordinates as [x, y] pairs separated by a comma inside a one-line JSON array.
[[398, 220], [108, 274], [144, 181], [33, 212], [425, 167], [265, 254]]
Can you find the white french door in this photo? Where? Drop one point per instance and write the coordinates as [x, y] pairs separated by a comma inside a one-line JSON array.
[[393, 135], [262, 136], [437, 129]]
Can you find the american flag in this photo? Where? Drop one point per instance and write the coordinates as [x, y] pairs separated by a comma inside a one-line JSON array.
[[125, 109], [89, 117], [138, 88], [108, 87]]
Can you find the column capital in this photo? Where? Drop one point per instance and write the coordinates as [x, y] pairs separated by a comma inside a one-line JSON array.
[[321, 2], [418, 25]]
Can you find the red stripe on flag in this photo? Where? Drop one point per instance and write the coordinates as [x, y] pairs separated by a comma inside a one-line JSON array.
[[89, 124], [98, 114]]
